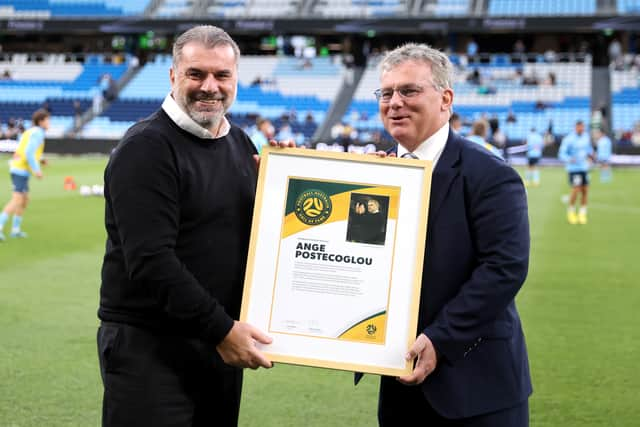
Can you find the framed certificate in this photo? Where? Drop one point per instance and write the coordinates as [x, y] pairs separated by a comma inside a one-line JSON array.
[[335, 258]]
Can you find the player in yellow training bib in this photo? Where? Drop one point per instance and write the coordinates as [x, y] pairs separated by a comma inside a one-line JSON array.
[[25, 162]]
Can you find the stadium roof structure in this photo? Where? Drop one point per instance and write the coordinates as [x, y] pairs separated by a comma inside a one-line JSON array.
[[315, 25]]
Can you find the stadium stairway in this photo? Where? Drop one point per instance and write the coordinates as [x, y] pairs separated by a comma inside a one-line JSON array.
[[339, 106], [89, 115]]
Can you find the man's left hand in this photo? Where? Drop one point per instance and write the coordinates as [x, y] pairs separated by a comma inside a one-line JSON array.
[[426, 362]]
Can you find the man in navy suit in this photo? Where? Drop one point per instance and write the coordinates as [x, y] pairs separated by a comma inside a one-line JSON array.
[[471, 366]]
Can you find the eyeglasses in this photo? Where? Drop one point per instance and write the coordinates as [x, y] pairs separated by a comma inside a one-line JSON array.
[[408, 91]]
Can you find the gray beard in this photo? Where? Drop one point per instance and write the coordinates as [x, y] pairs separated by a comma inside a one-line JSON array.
[[205, 120]]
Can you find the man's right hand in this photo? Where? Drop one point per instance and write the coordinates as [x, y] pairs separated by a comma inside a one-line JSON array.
[[383, 154], [239, 349]]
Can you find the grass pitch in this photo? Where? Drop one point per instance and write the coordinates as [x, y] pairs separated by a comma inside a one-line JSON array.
[[578, 306]]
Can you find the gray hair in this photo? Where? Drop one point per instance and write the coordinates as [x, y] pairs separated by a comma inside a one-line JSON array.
[[441, 67], [208, 35]]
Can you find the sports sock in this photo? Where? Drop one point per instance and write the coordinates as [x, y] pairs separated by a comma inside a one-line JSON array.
[[3, 218], [15, 226]]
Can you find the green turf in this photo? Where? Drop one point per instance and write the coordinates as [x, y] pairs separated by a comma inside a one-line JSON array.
[[579, 310]]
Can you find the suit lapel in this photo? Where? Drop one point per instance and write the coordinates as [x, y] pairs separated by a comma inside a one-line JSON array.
[[443, 175]]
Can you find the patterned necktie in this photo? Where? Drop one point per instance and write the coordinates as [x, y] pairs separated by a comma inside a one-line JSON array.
[[409, 155]]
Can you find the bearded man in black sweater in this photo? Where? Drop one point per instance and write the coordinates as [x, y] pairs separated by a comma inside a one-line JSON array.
[[179, 192]]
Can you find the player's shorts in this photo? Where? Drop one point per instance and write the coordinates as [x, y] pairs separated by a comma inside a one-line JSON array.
[[533, 160], [20, 183], [578, 179]]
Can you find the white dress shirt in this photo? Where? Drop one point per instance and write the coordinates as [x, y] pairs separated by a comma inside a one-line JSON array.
[[432, 148]]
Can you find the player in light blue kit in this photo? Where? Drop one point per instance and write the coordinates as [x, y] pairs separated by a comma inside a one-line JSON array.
[[25, 162], [576, 152], [603, 154], [535, 144]]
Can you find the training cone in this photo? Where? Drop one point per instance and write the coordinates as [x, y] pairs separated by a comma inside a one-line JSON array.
[[69, 183]]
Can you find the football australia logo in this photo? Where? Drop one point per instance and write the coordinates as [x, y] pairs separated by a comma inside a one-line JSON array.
[[313, 207], [371, 329]]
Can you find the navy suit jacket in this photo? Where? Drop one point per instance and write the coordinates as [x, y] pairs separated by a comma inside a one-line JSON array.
[[476, 259]]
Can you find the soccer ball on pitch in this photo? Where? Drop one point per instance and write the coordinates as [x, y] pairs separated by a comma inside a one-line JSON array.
[[97, 190], [85, 190]]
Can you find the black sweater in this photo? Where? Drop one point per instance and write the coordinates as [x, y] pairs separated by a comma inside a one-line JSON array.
[[178, 217]]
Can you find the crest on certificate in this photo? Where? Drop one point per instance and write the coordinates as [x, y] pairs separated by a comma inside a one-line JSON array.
[[313, 207]]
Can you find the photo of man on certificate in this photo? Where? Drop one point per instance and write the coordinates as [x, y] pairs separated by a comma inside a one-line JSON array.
[[368, 219], [324, 272]]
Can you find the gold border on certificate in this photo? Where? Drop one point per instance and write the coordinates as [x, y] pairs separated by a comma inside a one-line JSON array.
[[335, 258]]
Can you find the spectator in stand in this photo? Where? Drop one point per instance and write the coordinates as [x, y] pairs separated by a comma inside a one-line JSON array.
[[285, 133], [519, 50], [6, 75], [517, 76], [598, 119], [13, 129], [264, 132], [112, 90], [549, 137], [300, 139], [455, 122], [498, 138], [256, 82], [550, 80], [134, 62], [96, 103], [550, 56], [511, 117], [364, 136], [479, 131], [635, 135], [530, 79], [348, 65], [519, 47], [103, 83], [474, 77], [494, 124], [472, 50], [615, 54], [77, 113], [625, 139], [308, 119], [541, 105], [344, 135]]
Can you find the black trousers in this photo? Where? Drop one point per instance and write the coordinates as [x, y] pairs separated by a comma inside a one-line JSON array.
[[164, 381], [401, 405]]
